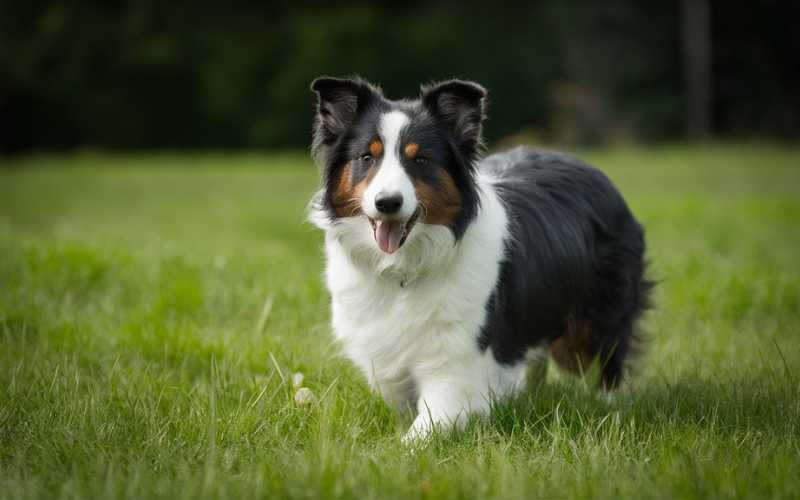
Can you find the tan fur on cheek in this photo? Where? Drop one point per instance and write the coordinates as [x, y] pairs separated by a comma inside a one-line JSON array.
[[346, 198], [440, 204]]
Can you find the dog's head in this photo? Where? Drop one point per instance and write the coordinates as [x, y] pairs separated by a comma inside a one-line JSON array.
[[397, 166]]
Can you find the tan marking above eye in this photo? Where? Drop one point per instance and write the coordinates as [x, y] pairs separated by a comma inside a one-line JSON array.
[[411, 150], [375, 148]]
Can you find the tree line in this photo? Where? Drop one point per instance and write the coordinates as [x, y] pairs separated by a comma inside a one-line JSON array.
[[201, 74]]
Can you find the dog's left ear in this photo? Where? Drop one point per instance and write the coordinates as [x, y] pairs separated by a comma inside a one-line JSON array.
[[460, 105]]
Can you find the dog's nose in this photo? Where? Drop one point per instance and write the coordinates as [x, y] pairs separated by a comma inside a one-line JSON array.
[[388, 203]]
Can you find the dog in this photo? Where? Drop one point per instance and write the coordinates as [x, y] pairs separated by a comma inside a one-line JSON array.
[[451, 274]]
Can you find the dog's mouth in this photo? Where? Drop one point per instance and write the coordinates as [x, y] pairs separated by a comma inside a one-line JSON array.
[[391, 234]]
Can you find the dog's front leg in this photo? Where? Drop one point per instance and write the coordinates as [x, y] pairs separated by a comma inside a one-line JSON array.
[[447, 401]]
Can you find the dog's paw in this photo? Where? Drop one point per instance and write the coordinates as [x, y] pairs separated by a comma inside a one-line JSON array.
[[419, 433]]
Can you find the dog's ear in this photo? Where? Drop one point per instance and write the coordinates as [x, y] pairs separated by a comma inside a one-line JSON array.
[[339, 102], [460, 105]]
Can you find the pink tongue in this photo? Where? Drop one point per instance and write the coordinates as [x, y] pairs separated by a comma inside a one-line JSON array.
[[388, 235]]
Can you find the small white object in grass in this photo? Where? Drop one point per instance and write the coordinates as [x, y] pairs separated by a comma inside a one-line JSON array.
[[297, 380], [304, 397]]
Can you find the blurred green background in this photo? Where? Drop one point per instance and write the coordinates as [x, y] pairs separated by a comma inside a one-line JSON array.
[[147, 74]]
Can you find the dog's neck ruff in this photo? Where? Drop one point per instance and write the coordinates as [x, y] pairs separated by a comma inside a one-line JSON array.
[[429, 251]]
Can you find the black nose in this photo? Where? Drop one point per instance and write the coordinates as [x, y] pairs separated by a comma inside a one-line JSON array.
[[388, 203]]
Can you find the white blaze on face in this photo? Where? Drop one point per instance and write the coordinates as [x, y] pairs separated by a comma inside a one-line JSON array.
[[391, 178]]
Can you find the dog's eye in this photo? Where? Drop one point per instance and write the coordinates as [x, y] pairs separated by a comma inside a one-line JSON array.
[[367, 159], [421, 160]]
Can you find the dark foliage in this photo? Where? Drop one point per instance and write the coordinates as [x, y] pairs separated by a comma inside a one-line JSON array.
[[146, 74]]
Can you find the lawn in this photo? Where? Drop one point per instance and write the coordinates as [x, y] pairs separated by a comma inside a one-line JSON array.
[[153, 309]]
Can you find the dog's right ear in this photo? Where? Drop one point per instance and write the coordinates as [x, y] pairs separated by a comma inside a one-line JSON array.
[[339, 102]]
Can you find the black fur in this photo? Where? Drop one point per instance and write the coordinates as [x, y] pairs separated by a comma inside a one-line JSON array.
[[576, 254]]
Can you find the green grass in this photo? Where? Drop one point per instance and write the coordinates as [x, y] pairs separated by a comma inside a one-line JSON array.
[[132, 289]]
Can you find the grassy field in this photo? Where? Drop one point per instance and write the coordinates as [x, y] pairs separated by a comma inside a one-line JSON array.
[[154, 307]]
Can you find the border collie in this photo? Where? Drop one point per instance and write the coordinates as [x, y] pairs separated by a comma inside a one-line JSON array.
[[450, 274]]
